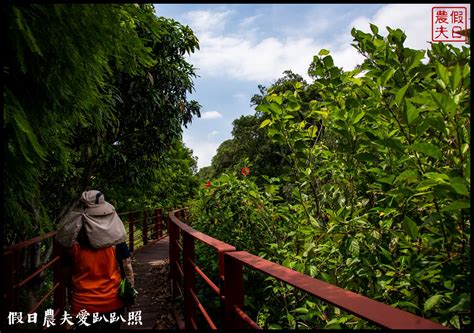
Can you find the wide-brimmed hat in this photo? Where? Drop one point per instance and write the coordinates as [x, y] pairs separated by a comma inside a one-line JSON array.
[[96, 204]]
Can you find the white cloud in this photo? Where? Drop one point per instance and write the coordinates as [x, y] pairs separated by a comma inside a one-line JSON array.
[[241, 97], [211, 115], [249, 21], [413, 19], [207, 21], [203, 150], [213, 133], [262, 61], [244, 57]]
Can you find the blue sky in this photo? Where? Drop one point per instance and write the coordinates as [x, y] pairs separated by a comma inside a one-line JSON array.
[[244, 45]]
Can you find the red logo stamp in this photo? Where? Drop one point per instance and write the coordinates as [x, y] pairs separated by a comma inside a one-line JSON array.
[[449, 24]]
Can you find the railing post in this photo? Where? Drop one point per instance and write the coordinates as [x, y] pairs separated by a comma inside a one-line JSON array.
[[173, 239], [16, 279], [9, 299], [130, 232], [158, 224], [220, 257], [189, 281], [233, 292], [145, 228], [59, 295]]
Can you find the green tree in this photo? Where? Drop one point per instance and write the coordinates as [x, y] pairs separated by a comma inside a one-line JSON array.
[[171, 184], [379, 185], [94, 94], [205, 173]]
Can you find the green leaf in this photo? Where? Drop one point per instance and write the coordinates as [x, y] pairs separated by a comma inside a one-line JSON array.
[[24, 126], [263, 108], [393, 143], [33, 45], [328, 62], [379, 42], [419, 55], [442, 72], [386, 180], [275, 98], [406, 304], [449, 284], [274, 327], [455, 322], [463, 304], [24, 150], [445, 102], [410, 174], [301, 310], [432, 301], [439, 177], [455, 77], [253, 194], [323, 52], [401, 93], [21, 122], [386, 253], [410, 227], [354, 247], [386, 76], [325, 114], [412, 112], [428, 149], [358, 117], [374, 28], [293, 106], [459, 185], [456, 205], [312, 271], [265, 123], [312, 131]]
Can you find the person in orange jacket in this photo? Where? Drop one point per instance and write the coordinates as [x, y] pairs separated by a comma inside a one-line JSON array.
[[94, 238]]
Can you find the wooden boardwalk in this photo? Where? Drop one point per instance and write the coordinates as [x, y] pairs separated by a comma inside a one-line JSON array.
[[151, 268]]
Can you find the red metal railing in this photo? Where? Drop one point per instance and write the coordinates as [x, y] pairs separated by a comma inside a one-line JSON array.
[[14, 280], [231, 289], [185, 274], [150, 226]]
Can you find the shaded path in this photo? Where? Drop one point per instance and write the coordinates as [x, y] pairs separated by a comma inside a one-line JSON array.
[[151, 269]]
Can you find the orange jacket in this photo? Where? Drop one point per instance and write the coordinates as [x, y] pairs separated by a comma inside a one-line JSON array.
[[95, 280]]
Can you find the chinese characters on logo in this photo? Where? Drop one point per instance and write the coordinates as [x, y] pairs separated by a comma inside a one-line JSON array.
[[449, 24], [15, 318]]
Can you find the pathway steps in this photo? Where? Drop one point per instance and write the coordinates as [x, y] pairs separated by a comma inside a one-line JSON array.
[[151, 270]]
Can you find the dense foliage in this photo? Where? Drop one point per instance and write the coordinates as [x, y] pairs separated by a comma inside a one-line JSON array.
[[171, 184], [360, 178], [249, 142], [379, 189], [94, 95]]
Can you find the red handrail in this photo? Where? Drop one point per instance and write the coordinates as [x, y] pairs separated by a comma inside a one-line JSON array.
[[231, 290], [178, 229], [375, 312], [14, 282]]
